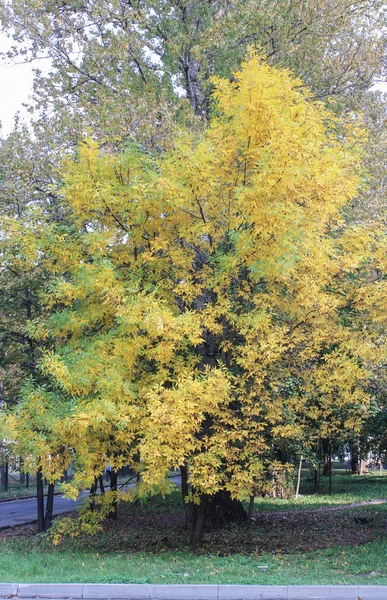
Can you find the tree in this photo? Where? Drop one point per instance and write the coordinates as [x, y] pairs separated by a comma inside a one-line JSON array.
[[117, 65], [28, 203], [207, 284], [120, 70]]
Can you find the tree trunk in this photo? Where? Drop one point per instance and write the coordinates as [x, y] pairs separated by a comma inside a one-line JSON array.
[[92, 494], [326, 465], [316, 482], [363, 467], [185, 494], [4, 476], [101, 485], [250, 511], [40, 499], [193, 85], [22, 475], [355, 458], [325, 445], [113, 487], [199, 522], [330, 468], [223, 510], [49, 506]]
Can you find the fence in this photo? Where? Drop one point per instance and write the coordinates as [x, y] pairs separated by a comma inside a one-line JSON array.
[[12, 476]]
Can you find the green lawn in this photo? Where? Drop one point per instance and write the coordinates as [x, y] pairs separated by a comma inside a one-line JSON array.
[[365, 564], [297, 541], [346, 489]]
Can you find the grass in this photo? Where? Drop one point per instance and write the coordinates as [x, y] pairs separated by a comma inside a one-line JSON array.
[[365, 564], [346, 489], [295, 540]]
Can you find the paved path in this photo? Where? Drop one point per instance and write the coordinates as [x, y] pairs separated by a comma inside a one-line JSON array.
[[97, 591], [19, 512]]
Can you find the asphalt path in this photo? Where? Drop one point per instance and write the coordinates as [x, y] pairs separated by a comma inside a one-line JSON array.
[[20, 512]]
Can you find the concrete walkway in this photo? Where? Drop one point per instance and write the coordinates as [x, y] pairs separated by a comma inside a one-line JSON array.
[[97, 591]]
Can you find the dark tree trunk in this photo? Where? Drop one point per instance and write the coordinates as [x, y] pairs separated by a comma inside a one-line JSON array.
[[4, 476], [223, 510], [185, 494], [316, 482], [40, 499], [92, 494], [325, 452], [113, 487], [199, 523], [250, 511], [101, 485], [22, 475], [49, 507], [330, 468]]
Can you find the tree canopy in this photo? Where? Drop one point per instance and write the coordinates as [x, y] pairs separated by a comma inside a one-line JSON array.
[[207, 304]]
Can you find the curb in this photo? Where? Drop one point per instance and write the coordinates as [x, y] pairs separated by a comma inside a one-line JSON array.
[[97, 591]]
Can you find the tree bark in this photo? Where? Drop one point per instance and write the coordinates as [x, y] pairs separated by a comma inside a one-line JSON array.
[[199, 523], [49, 507], [330, 468], [22, 475], [223, 510], [316, 482], [40, 499], [185, 495], [363, 467], [193, 85], [355, 459], [4, 476], [92, 494], [250, 511], [113, 487]]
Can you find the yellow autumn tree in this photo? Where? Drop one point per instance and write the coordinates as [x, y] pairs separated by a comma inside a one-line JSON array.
[[200, 299]]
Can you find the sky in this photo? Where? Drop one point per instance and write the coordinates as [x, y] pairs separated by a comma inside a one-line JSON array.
[[15, 86]]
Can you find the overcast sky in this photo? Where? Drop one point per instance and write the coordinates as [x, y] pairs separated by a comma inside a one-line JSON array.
[[15, 86]]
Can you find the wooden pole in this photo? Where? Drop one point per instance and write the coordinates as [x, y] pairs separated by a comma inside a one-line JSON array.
[[299, 477]]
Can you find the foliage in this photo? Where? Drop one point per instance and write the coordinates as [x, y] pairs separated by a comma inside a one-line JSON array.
[[199, 313], [117, 66]]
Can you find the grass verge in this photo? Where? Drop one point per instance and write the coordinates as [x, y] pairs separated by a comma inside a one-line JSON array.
[[311, 540]]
